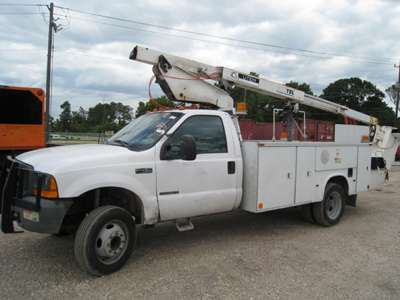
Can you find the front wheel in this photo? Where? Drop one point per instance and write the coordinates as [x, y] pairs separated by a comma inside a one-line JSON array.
[[330, 210], [105, 240]]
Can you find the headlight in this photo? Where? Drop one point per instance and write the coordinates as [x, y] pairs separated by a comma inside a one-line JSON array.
[[49, 185]]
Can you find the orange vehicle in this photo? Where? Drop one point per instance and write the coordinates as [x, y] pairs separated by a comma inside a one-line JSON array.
[[22, 126]]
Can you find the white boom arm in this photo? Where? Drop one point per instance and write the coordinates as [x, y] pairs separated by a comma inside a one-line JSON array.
[[172, 67]]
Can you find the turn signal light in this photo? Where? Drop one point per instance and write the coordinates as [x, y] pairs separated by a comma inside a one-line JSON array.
[[48, 192]]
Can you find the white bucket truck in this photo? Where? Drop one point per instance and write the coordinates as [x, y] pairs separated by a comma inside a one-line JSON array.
[[175, 164]]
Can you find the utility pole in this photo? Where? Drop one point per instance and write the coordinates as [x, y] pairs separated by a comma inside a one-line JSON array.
[[49, 49], [104, 115], [245, 100], [398, 96]]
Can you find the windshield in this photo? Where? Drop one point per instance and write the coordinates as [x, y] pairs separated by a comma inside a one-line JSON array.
[[140, 134]]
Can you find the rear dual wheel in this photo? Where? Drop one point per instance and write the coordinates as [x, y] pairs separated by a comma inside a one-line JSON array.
[[330, 210], [105, 240], [307, 212]]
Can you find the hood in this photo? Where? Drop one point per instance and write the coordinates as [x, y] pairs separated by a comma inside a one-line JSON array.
[[62, 158]]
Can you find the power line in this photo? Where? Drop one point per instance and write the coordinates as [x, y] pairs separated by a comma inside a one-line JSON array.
[[19, 13], [15, 50], [93, 56], [226, 44], [308, 53], [4, 4], [232, 39]]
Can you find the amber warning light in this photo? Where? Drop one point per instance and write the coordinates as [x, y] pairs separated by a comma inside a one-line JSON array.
[[241, 108], [365, 139]]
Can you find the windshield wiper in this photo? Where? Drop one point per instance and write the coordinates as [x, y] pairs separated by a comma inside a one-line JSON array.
[[123, 143]]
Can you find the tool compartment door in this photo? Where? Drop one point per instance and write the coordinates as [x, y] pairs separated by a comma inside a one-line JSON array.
[[305, 175], [276, 177]]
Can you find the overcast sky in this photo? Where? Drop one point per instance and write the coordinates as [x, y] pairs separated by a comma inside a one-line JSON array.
[[312, 41]]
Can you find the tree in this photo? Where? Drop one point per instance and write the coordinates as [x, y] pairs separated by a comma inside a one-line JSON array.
[[360, 95], [150, 106], [53, 124], [140, 110], [101, 117], [65, 117], [124, 114], [311, 112], [95, 115], [393, 93], [259, 106], [109, 116], [79, 120], [302, 87]]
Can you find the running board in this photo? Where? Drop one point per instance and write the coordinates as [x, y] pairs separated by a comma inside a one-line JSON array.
[[184, 227]]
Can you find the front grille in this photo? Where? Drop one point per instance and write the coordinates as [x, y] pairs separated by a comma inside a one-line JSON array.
[[14, 183]]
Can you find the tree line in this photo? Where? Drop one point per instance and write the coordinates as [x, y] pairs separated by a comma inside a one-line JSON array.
[[355, 93], [102, 117]]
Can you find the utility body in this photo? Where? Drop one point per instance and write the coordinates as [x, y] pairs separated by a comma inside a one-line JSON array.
[[175, 164]]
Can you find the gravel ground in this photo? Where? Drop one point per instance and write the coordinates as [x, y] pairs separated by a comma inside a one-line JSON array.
[[239, 255]]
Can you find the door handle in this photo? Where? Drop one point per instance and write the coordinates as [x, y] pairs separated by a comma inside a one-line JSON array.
[[231, 167]]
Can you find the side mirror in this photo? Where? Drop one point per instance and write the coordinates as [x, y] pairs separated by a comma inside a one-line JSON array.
[[165, 151], [188, 147]]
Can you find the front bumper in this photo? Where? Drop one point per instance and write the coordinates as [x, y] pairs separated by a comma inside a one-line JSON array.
[[32, 213]]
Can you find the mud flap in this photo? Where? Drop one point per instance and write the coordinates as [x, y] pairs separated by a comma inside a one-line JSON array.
[[351, 200]]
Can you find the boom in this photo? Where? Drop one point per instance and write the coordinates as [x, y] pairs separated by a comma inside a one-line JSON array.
[[168, 68]]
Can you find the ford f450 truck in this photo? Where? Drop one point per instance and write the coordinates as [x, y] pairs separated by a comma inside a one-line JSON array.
[[176, 164]]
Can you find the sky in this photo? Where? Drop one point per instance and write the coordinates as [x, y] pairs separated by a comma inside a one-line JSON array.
[[311, 41]]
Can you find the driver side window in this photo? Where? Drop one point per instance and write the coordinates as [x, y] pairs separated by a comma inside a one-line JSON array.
[[208, 132]]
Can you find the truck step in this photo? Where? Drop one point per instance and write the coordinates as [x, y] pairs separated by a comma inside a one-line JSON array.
[[184, 227]]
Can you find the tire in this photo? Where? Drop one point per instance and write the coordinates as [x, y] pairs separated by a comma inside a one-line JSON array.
[[330, 210], [105, 240], [308, 213]]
